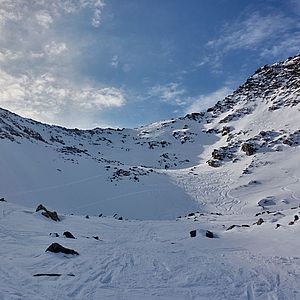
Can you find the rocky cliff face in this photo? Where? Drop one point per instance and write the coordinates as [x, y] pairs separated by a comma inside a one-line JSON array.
[[261, 115]]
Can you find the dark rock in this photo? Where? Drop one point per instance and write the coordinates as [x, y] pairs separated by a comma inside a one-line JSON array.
[[34, 134], [216, 155], [231, 227], [277, 226], [252, 182], [57, 248], [209, 234], [291, 223], [96, 237], [248, 149], [100, 215], [245, 225], [287, 142], [193, 233], [50, 275], [191, 214], [54, 234], [213, 163], [51, 215], [2, 200], [41, 207], [87, 217], [120, 218], [225, 130], [246, 171], [268, 201], [296, 218], [122, 172], [47, 213], [260, 221], [68, 235]]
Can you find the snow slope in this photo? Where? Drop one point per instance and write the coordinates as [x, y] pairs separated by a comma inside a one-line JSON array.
[[231, 165], [160, 170], [147, 259]]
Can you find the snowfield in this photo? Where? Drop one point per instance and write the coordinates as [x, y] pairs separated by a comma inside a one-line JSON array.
[[148, 259], [131, 197]]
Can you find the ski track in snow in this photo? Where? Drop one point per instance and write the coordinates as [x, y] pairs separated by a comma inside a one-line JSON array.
[[209, 188], [289, 191], [135, 260]]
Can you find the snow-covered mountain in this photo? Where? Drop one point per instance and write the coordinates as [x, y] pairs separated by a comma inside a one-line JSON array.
[[229, 175], [202, 161]]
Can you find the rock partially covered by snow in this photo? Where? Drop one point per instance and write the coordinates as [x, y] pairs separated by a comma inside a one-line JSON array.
[[248, 149], [47, 213], [57, 248]]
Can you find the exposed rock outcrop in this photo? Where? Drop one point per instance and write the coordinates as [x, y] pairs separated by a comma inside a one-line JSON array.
[[47, 213], [57, 248]]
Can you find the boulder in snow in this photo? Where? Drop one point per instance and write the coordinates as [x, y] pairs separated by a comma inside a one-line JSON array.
[[248, 149], [54, 234], [47, 213], [193, 233], [260, 221], [68, 235], [57, 248], [209, 234], [232, 226]]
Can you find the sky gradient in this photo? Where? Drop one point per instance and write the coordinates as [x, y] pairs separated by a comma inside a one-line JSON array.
[[116, 63]]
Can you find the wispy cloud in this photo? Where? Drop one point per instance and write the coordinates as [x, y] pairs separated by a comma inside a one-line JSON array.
[[202, 102], [98, 7], [270, 34], [37, 62], [44, 97], [171, 93], [289, 45], [296, 6], [115, 61], [251, 32]]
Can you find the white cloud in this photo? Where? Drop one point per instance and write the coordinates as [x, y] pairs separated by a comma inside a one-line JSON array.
[[54, 48], [44, 19], [288, 46], [37, 58], [265, 33], [202, 102], [98, 7], [8, 55], [92, 98], [171, 93], [251, 32], [48, 99], [115, 61]]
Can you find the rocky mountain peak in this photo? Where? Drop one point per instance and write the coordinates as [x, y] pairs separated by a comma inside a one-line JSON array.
[[278, 85]]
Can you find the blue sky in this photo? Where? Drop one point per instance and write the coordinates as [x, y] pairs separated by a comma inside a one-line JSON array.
[[120, 63]]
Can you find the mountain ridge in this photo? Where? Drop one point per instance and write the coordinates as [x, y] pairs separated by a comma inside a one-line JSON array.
[[261, 118]]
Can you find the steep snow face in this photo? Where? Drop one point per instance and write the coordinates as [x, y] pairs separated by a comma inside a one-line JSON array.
[[204, 161]]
